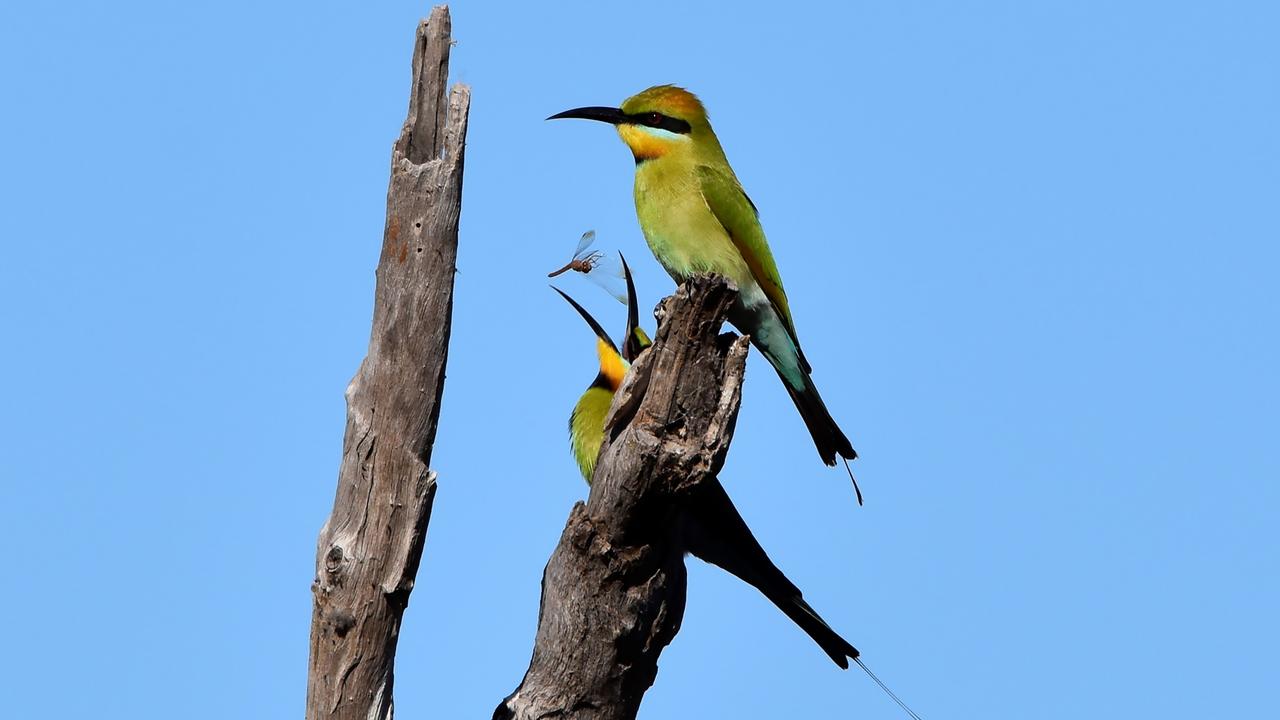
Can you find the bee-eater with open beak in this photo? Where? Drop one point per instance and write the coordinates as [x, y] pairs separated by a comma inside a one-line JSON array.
[[711, 528], [697, 219], [586, 424]]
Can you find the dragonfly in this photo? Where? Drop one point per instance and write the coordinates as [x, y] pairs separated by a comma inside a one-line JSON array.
[[600, 267]]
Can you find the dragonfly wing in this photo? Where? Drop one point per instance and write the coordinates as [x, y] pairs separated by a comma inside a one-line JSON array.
[[588, 237], [606, 271]]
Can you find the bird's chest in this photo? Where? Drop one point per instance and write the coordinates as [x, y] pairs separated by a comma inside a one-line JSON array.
[[678, 226]]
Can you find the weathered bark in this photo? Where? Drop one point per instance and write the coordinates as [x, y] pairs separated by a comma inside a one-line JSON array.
[[613, 591], [368, 551]]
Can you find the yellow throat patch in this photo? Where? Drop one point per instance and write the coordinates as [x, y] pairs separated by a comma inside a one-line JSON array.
[[612, 366], [645, 143]]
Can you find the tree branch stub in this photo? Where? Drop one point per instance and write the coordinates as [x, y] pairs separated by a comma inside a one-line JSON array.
[[369, 549]]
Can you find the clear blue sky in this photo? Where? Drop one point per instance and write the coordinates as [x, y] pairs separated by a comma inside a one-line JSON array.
[[1032, 252]]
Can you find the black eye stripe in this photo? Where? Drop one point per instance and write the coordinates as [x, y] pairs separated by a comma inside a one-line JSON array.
[[658, 120]]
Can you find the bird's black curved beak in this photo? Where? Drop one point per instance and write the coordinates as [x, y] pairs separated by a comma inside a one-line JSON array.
[[631, 344], [613, 116], [595, 326]]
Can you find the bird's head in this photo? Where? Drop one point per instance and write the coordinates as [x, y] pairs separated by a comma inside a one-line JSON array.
[[662, 120], [613, 368]]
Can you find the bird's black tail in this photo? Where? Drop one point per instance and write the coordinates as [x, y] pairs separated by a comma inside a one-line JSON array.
[[827, 435], [716, 533]]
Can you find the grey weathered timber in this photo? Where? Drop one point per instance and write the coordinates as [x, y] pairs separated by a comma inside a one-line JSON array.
[[613, 591], [368, 551]]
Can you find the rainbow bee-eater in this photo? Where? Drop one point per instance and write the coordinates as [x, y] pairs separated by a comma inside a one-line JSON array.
[[697, 219], [711, 528]]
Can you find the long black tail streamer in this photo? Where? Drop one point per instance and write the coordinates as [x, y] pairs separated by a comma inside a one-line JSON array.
[[886, 689]]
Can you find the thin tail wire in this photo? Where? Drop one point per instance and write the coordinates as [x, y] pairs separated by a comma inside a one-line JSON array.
[[856, 489], [886, 689]]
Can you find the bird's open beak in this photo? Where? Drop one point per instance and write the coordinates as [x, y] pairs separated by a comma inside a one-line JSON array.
[[631, 345], [595, 326], [613, 116]]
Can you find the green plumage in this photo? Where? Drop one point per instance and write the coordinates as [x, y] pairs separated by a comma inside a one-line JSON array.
[[709, 524], [586, 428], [697, 219]]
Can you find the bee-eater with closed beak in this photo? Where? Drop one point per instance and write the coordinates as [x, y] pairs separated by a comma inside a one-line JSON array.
[[697, 219], [711, 528]]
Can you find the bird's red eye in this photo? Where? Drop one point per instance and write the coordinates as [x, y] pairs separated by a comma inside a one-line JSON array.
[[655, 119]]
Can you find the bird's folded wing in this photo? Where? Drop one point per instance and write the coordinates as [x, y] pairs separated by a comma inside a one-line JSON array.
[[737, 214]]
